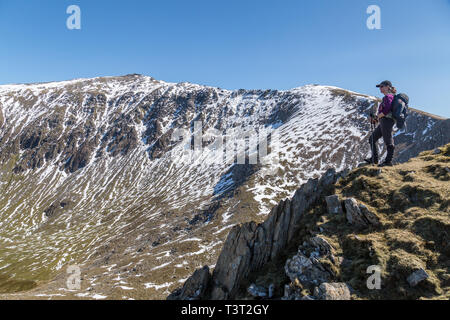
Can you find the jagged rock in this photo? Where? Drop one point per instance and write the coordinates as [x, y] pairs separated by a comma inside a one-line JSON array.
[[308, 270], [322, 244], [437, 151], [257, 291], [416, 277], [353, 213], [359, 215], [234, 261], [194, 288], [332, 291], [249, 246], [369, 215], [334, 205]]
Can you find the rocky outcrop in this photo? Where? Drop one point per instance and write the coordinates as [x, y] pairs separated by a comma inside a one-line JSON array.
[[57, 208], [313, 270], [307, 268], [195, 287], [250, 246], [359, 215]]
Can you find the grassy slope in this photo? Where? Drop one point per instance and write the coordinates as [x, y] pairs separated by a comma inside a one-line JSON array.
[[412, 202]]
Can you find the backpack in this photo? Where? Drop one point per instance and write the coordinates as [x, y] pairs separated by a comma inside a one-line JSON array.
[[400, 109]]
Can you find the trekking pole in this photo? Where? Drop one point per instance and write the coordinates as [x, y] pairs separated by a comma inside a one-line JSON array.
[[372, 116], [373, 142]]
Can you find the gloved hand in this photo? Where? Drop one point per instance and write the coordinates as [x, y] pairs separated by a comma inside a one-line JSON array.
[[373, 119]]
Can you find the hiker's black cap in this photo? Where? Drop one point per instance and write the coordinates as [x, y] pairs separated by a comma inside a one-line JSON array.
[[385, 83]]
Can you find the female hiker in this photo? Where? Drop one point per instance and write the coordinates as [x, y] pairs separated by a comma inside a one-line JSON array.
[[385, 127]]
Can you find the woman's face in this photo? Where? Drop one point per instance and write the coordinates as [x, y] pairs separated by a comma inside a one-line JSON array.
[[384, 90]]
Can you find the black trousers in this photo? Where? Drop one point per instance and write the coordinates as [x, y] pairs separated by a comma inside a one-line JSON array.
[[384, 130]]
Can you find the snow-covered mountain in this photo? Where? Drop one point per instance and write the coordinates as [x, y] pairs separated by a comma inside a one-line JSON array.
[[92, 174]]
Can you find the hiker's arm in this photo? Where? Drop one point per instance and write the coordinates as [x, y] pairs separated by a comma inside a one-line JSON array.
[[380, 107]]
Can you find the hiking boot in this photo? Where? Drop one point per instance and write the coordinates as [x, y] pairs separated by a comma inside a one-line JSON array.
[[386, 164], [371, 161], [390, 154]]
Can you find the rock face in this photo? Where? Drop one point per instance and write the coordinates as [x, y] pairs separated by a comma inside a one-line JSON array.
[[436, 133], [195, 287], [249, 246]]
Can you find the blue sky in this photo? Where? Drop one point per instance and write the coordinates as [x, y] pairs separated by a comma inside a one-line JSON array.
[[251, 44]]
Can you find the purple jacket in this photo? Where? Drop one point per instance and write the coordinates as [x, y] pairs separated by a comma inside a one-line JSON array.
[[386, 105]]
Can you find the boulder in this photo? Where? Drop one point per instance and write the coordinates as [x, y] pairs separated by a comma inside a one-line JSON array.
[[322, 244], [359, 215], [332, 291], [309, 271], [257, 291], [416, 277], [369, 216], [334, 205]]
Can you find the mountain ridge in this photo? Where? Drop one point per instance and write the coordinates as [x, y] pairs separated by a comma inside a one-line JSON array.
[[98, 156], [394, 220]]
